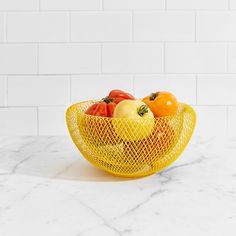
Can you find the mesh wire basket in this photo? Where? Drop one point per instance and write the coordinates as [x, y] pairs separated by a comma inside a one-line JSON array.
[[115, 144]]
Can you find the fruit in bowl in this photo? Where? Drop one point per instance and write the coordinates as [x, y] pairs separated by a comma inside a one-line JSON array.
[[156, 145], [133, 120], [162, 103], [130, 140], [101, 131]]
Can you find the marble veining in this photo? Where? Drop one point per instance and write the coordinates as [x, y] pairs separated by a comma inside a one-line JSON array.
[[47, 188]]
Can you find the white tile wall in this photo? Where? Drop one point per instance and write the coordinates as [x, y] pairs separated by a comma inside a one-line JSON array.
[[232, 58], [101, 26], [216, 89], [197, 4], [19, 5], [66, 5], [216, 26], [2, 27], [3, 87], [134, 4], [231, 121], [69, 58], [177, 84], [52, 121], [232, 4], [164, 26], [196, 58], [38, 90], [38, 27], [132, 58], [211, 121], [18, 59], [98, 87], [57, 52], [18, 121]]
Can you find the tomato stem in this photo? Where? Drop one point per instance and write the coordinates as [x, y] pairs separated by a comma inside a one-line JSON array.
[[108, 100], [142, 110], [153, 96]]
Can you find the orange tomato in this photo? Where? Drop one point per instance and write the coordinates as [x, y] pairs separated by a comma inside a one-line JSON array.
[[162, 103]]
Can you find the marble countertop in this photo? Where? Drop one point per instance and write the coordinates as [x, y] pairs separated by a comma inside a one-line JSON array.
[[48, 189]]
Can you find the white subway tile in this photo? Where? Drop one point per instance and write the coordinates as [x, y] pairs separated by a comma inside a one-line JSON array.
[[101, 26], [182, 86], [18, 121], [71, 4], [52, 121], [232, 58], [216, 26], [18, 59], [231, 121], [38, 90], [18, 5], [164, 26], [89, 87], [197, 4], [2, 27], [216, 89], [69, 58], [211, 121], [196, 58], [37, 27], [3, 87], [134, 4], [133, 58], [232, 4]]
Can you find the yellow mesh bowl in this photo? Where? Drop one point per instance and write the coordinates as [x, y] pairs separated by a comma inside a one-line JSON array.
[[115, 144]]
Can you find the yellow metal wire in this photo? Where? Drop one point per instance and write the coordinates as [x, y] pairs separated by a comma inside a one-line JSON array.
[[101, 140]]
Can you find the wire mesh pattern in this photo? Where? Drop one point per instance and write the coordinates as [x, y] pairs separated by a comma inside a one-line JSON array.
[[115, 144]]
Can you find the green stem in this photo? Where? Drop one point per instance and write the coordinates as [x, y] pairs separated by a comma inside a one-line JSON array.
[[153, 96], [108, 100], [142, 110]]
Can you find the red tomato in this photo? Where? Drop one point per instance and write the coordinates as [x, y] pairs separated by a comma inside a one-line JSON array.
[[104, 108], [119, 95]]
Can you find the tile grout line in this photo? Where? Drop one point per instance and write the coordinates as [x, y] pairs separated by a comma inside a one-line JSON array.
[[101, 59], [164, 58], [133, 85], [5, 28], [69, 26], [37, 58], [195, 16], [6, 77], [132, 25], [119, 74], [37, 109], [114, 42], [196, 89], [122, 10], [6, 92], [70, 88], [227, 58], [227, 120]]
